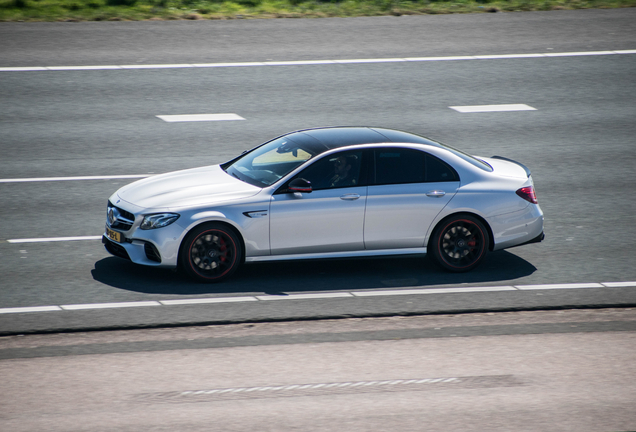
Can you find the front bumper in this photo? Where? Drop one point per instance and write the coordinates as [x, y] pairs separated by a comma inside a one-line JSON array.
[[156, 248]]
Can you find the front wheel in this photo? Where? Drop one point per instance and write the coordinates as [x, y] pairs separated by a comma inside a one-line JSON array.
[[210, 253], [459, 244]]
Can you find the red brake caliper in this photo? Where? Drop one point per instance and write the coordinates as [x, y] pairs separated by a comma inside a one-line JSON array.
[[223, 249]]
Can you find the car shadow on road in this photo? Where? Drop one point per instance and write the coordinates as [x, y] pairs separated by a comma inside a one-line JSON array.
[[312, 275]]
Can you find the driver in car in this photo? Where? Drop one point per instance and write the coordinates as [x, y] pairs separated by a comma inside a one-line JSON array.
[[342, 176]]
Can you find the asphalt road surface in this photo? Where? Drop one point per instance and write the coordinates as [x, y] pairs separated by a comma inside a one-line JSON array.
[[68, 123], [519, 371]]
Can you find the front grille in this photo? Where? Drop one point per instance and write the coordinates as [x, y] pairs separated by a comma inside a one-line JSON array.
[[151, 252], [115, 249], [118, 218]]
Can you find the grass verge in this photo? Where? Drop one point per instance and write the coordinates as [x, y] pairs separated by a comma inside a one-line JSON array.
[[134, 10]]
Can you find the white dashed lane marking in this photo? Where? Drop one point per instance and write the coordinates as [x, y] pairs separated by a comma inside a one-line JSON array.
[[492, 108], [110, 305], [199, 117], [312, 296]]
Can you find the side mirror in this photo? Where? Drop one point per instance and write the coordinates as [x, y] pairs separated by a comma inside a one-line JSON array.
[[299, 185]]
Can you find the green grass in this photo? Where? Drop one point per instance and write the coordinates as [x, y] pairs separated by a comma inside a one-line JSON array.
[[134, 10]]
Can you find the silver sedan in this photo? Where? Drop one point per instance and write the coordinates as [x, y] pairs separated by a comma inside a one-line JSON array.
[[327, 193]]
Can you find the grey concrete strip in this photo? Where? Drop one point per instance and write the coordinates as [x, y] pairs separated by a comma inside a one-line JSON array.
[[291, 339]]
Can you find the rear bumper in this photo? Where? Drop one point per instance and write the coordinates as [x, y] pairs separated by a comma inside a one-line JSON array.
[[537, 239], [518, 228]]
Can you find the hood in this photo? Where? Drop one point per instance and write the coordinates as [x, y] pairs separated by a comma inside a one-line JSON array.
[[187, 188]]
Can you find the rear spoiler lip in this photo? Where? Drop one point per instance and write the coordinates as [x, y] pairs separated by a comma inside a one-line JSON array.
[[527, 170]]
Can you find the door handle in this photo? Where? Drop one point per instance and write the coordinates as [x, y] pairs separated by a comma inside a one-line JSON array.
[[350, 197], [436, 193]]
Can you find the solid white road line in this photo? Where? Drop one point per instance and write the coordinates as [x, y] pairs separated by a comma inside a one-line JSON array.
[[314, 62], [493, 108], [352, 294], [50, 179], [199, 117], [53, 239]]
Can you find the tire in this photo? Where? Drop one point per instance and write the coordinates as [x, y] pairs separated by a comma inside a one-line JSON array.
[[210, 253], [459, 244]]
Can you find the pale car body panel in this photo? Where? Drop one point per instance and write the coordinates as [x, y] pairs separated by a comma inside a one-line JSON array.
[[376, 217]]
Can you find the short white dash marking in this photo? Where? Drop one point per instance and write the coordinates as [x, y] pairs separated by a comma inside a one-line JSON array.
[[559, 286], [431, 291], [199, 117], [492, 108], [619, 284], [305, 296], [206, 300], [110, 305], [30, 309]]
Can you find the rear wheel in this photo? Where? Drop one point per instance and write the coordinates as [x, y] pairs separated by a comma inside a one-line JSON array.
[[459, 244], [211, 253]]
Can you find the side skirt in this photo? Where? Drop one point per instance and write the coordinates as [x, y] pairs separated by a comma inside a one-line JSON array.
[[347, 254]]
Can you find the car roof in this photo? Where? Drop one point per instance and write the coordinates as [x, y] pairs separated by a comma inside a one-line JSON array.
[[323, 139]]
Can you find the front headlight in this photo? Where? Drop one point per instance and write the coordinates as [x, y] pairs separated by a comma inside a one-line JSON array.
[[158, 220]]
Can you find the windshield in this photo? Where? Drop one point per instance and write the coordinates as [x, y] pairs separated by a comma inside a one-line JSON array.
[[266, 164]]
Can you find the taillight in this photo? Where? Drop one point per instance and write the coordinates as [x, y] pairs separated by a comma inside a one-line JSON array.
[[528, 194]]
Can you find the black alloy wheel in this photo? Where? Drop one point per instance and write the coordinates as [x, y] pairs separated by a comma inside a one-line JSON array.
[[459, 244], [211, 253]]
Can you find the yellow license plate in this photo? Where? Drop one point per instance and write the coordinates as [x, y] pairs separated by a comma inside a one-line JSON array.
[[114, 235]]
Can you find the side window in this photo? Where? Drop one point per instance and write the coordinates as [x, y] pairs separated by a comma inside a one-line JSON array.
[[400, 165], [335, 171], [439, 171], [396, 165]]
